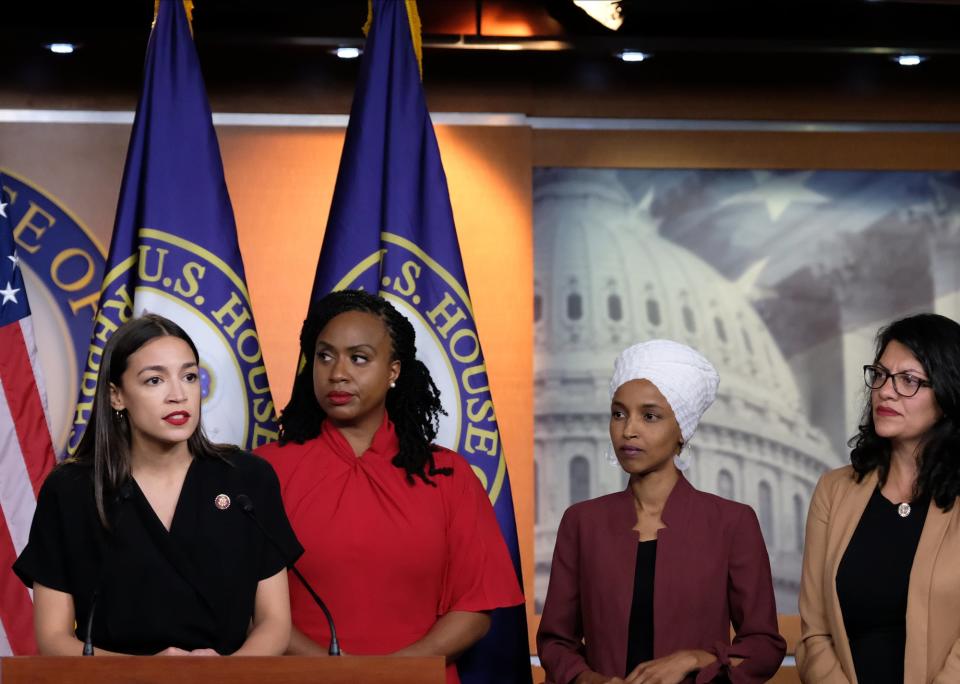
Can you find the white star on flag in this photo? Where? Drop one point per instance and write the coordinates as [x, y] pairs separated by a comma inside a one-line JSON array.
[[777, 192], [3, 209], [10, 294], [15, 259]]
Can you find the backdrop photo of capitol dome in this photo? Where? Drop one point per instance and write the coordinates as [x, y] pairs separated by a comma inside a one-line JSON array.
[[781, 278]]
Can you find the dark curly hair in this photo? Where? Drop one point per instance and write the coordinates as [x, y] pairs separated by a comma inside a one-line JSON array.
[[935, 341], [413, 405]]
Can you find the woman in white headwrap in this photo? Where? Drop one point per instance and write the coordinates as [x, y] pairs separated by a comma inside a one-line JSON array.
[[646, 582]]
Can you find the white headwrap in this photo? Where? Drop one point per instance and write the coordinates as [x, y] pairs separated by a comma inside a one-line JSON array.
[[684, 377]]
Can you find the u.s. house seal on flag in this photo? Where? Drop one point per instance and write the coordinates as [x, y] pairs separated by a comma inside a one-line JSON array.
[[194, 287], [447, 343]]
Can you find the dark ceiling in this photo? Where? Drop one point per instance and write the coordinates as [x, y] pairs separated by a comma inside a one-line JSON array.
[[670, 25], [285, 47]]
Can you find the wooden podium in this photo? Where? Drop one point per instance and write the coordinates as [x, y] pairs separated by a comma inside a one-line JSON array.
[[235, 670]]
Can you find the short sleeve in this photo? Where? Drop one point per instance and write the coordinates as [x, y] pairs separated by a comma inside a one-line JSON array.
[[479, 573], [270, 513], [44, 558]]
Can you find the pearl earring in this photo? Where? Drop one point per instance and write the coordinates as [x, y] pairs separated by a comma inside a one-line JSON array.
[[392, 384]]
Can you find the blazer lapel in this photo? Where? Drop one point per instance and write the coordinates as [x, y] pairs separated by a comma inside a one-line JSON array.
[[668, 581], [849, 510], [918, 594], [621, 567]]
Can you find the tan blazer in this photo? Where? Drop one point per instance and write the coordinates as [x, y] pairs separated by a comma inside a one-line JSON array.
[[933, 597]]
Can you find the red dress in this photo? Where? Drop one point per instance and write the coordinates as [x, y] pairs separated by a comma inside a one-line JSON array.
[[388, 557]]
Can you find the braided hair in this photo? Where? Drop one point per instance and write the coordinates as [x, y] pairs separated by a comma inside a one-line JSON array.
[[413, 405]]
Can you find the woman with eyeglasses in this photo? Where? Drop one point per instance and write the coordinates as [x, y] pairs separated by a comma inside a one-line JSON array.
[[880, 590]]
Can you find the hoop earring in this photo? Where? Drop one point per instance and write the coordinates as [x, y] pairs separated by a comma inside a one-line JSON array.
[[610, 457]]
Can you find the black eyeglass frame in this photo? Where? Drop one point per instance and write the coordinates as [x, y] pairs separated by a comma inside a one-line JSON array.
[[887, 375]]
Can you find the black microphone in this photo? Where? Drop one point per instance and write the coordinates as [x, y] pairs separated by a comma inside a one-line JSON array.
[[123, 495], [88, 641], [246, 505]]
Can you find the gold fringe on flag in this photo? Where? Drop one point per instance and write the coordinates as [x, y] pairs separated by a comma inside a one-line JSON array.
[[415, 29], [187, 6]]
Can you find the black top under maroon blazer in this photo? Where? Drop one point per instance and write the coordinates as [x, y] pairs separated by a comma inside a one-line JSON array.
[[712, 570]]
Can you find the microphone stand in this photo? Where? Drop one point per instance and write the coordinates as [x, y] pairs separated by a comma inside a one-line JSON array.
[[246, 505]]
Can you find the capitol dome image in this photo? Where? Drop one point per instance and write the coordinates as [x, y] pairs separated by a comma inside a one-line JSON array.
[[604, 279]]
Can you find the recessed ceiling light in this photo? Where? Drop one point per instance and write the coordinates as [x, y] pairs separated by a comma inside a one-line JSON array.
[[634, 56], [909, 60], [348, 52], [61, 48]]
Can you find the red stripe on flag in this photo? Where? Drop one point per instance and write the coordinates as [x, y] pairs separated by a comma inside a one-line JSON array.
[[16, 608], [23, 398]]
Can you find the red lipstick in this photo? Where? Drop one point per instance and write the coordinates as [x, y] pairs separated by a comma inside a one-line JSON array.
[[886, 411], [177, 418], [339, 398]]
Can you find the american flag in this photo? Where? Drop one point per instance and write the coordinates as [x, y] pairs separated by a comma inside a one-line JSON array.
[[26, 450]]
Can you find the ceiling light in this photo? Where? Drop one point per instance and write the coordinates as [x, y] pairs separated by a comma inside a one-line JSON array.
[[634, 56], [909, 60], [348, 52], [61, 48], [607, 12]]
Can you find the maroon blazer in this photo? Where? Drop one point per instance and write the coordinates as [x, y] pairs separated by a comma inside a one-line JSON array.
[[712, 570]]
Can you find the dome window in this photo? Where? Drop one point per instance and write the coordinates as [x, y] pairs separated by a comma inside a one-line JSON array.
[[537, 308], [765, 509], [799, 519], [574, 306], [721, 331], [688, 321], [614, 307], [653, 312], [579, 479], [725, 484], [747, 342]]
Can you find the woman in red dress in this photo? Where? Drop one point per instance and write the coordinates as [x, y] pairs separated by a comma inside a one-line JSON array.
[[401, 540]]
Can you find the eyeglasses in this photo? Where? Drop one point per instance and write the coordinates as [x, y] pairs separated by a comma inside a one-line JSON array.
[[904, 384]]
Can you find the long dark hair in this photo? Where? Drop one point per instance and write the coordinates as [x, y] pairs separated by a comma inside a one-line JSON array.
[[413, 405], [106, 441], [935, 341]]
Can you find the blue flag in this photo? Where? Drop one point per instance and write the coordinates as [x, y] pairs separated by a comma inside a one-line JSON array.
[[174, 249], [391, 231]]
